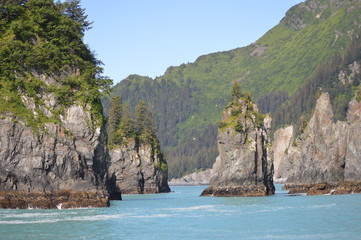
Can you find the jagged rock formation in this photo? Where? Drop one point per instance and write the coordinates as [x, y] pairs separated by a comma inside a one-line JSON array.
[[138, 168], [197, 178], [280, 148], [243, 167], [326, 158]]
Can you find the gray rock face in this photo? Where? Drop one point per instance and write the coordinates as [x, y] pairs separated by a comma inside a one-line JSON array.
[[197, 178], [137, 168], [353, 150], [70, 155], [326, 152], [62, 161], [280, 148], [243, 167], [348, 76]]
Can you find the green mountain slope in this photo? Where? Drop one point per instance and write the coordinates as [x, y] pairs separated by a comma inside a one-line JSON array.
[[188, 99]]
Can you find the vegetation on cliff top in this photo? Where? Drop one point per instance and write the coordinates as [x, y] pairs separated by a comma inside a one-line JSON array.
[[43, 56], [240, 112], [140, 127]]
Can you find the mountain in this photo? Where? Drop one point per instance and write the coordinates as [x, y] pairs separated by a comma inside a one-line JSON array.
[[188, 99]]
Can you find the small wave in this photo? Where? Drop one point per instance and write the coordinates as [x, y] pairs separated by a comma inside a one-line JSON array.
[[82, 218], [322, 206], [270, 210], [307, 236], [29, 222], [97, 217], [153, 216], [29, 215], [202, 207]]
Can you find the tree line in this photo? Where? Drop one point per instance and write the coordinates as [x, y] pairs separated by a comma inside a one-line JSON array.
[[123, 125]]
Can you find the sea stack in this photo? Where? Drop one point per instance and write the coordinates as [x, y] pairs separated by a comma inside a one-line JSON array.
[[137, 164], [243, 167], [53, 151], [54, 162], [138, 168], [325, 158]]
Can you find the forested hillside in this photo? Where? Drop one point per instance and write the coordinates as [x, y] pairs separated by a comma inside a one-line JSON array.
[[187, 100]]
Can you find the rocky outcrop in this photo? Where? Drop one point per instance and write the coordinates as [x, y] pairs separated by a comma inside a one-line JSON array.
[[325, 188], [68, 154], [327, 153], [280, 148], [243, 167], [197, 178], [138, 168], [348, 75]]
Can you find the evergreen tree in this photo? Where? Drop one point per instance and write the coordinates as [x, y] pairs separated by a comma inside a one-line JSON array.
[[236, 90], [145, 123], [40, 37], [72, 9], [123, 126], [115, 116], [127, 124]]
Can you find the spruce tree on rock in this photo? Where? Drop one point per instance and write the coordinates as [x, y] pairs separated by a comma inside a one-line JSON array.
[[145, 123], [115, 116], [236, 90], [127, 125]]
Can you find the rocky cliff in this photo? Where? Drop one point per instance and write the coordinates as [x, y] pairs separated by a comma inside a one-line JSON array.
[[137, 164], [326, 156], [69, 155], [138, 168], [280, 148], [243, 167], [52, 136]]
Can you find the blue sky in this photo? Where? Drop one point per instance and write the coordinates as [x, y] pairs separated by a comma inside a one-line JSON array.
[[146, 37]]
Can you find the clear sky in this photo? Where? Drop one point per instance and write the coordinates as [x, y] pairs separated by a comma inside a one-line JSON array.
[[145, 37]]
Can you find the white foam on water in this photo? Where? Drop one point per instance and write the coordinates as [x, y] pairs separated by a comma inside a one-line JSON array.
[[29, 222], [221, 210], [53, 220], [154, 216], [29, 215], [270, 210], [289, 237], [97, 217], [322, 206], [202, 207]]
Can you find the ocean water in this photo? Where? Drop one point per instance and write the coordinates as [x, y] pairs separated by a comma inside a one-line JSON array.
[[182, 214]]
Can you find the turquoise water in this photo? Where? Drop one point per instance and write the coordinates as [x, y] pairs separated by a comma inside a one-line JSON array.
[[183, 215]]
